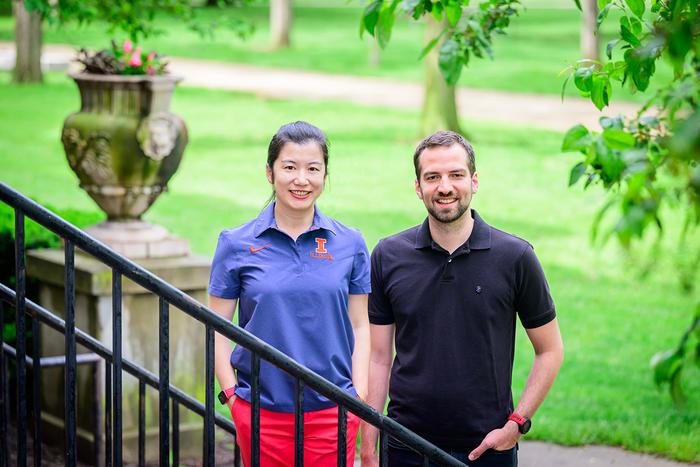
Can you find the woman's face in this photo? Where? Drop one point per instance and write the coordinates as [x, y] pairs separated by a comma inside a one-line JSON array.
[[298, 175]]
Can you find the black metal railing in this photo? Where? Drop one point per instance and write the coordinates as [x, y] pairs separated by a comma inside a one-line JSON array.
[[169, 297]]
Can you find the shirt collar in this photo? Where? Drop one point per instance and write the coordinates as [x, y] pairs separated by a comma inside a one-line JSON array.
[[266, 220], [480, 238]]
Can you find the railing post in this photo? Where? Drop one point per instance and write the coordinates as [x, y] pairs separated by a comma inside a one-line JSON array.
[[117, 365], [163, 383], [4, 396], [97, 411], [142, 423], [69, 386], [209, 399], [299, 423], [36, 387], [108, 414], [255, 410], [176, 434], [383, 449], [21, 334], [342, 435]]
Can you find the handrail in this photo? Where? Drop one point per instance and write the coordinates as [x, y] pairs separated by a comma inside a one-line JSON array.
[[203, 314], [8, 295]]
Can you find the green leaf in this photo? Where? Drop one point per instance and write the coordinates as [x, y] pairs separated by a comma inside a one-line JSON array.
[[576, 172], [603, 3], [450, 61], [637, 7], [426, 50], [384, 26], [601, 91], [453, 12], [665, 364], [583, 79], [578, 4], [618, 139], [370, 16], [437, 11], [612, 122], [627, 31], [609, 48], [676, 389], [563, 86], [602, 14], [576, 139]]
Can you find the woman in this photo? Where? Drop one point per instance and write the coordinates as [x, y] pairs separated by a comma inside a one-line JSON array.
[[300, 280]]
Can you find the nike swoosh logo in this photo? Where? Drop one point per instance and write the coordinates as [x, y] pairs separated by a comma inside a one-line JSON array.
[[255, 250]]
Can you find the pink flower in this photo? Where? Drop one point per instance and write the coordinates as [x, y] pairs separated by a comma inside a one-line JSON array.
[[128, 46], [136, 58], [151, 56], [150, 70]]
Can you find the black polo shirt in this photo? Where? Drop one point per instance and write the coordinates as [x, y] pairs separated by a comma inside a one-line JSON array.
[[455, 327]]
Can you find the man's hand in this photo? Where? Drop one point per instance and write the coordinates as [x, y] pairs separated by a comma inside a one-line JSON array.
[[499, 439]]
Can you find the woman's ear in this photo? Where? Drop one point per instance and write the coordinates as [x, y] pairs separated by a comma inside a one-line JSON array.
[[269, 174]]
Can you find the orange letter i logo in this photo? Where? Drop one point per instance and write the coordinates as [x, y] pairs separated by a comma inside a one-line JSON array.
[[321, 245]]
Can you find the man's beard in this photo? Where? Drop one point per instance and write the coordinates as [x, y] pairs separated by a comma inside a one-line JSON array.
[[447, 217]]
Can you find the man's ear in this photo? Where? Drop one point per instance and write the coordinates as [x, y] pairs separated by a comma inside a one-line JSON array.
[[475, 182], [419, 192]]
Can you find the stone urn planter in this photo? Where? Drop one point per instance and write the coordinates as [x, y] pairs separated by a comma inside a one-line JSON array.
[[124, 145]]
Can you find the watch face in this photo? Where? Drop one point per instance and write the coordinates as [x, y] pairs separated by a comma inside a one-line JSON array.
[[525, 427], [222, 398]]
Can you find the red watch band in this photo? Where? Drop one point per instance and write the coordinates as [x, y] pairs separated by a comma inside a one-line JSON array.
[[517, 418], [229, 392]]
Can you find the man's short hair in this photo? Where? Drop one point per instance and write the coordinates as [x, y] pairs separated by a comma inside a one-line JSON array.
[[446, 139]]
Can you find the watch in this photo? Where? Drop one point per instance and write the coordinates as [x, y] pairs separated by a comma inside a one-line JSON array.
[[226, 394], [524, 423]]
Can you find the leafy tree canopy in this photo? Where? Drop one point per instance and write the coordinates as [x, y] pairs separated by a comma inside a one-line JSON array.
[[651, 160], [137, 17], [468, 30]]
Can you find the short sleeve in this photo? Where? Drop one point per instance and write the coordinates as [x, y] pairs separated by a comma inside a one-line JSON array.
[[223, 280], [380, 311], [533, 303], [359, 278]]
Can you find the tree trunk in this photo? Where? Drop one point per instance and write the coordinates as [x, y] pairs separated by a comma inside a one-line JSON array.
[[27, 45], [590, 41], [280, 22], [439, 104]]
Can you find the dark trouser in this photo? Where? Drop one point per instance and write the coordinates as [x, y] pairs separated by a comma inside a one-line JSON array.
[[401, 456]]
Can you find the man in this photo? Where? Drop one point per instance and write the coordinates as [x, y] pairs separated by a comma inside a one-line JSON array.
[[450, 290]]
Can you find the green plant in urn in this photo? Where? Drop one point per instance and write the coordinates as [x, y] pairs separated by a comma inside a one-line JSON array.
[[124, 144]]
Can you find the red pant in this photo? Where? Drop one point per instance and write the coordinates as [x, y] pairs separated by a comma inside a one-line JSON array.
[[277, 436]]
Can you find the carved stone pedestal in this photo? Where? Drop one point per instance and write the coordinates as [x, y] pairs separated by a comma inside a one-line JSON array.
[[140, 344]]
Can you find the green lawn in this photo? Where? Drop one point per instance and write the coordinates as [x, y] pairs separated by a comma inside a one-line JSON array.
[[539, 45], [612, 322]]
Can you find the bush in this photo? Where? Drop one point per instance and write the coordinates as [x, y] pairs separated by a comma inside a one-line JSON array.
[[5, 7]]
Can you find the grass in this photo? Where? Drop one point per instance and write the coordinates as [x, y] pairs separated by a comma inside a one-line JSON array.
[[612, 321], [539, 44]]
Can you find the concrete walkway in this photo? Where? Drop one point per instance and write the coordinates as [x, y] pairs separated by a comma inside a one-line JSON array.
[[547, 112], [517, 109]]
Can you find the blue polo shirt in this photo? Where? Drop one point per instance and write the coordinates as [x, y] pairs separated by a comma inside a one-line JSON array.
[[294, 296]]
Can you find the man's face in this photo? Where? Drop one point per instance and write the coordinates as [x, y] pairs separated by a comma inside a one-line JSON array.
[[445, 184]]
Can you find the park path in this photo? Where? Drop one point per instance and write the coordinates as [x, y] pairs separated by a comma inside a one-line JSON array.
[[538, 111]]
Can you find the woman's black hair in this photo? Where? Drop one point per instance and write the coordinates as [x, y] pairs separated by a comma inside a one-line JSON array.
[[296, 132]]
